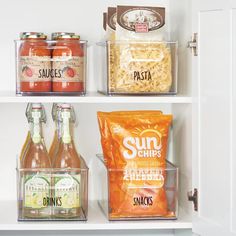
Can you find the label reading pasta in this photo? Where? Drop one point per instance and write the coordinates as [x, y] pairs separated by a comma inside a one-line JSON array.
[[35, 68], [67, 189], [142, 75], [140, 67], [36, 190], [71, 69]]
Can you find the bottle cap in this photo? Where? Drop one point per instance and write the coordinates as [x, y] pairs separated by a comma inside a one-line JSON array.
[[36, 106], [68, 36], [33, 35], [59, 35], [56, 107], [31, 107], [67, 106]]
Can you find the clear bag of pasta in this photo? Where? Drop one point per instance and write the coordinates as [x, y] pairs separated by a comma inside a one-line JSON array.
[[141, 67], [136, 57]]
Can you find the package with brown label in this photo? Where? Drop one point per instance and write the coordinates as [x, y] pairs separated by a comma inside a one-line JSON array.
[[139, 60], [111, 23], [140, 23], [105, 21]]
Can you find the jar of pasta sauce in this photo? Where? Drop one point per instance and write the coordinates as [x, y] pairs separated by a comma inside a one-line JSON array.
[[68, 63], [34, 63]]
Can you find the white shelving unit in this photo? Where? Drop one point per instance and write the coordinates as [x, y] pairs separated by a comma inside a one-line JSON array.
[[94, 97], [203, 133], [86, 133], [96, 221]]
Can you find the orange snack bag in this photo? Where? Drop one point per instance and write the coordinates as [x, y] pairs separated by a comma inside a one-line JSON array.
[[105, 140], [135, 149]]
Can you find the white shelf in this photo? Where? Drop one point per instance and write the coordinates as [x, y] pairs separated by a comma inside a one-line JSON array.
[[93, 97], [96, 221]]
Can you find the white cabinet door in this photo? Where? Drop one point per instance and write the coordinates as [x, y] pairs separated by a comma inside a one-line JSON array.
[[214, 117]]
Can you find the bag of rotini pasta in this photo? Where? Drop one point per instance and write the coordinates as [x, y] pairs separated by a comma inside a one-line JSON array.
[[140, 60]]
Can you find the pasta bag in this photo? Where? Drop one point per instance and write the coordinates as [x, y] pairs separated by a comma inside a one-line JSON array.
[[140, 61]]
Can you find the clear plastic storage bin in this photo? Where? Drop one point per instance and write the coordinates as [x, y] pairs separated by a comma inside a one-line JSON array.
[[52, 194], [46, 67], [138, 68], [124, 197]]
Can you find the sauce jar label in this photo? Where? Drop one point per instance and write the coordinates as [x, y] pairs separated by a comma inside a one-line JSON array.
[[69, 70], [35, 68]]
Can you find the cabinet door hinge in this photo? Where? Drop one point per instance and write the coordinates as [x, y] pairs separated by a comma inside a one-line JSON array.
[[193, 44], [193, 197]]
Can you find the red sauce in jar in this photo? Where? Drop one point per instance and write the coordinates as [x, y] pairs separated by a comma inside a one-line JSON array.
[[34, 63], [68, 64]]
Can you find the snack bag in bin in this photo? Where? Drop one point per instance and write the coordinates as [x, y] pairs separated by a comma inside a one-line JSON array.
[[135, 149]]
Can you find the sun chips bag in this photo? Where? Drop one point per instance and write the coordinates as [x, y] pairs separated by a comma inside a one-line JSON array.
[[135, 147]]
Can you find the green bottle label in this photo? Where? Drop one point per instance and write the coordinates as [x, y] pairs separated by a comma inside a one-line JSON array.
[[36, 190], [67, 189]]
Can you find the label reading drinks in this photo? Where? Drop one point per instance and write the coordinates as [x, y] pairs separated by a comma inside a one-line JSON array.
[[36, 190], [71, 69], [67, 189], [35, 68]]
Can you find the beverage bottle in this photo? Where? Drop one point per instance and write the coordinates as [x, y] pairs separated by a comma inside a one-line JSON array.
[[36, 180], [25, 146], [67, 182], [56, 116]]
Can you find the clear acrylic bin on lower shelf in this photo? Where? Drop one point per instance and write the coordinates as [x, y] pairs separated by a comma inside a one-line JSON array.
[[138, 67], [129, 194], [52, 194]]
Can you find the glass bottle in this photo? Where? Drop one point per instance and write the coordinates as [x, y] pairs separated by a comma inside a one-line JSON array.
[[36, 184], [25, 146], [68, 162], [56, 116]]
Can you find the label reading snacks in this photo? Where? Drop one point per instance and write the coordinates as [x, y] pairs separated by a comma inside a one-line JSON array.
[[140, 19], [67, 189], [37, 190]]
